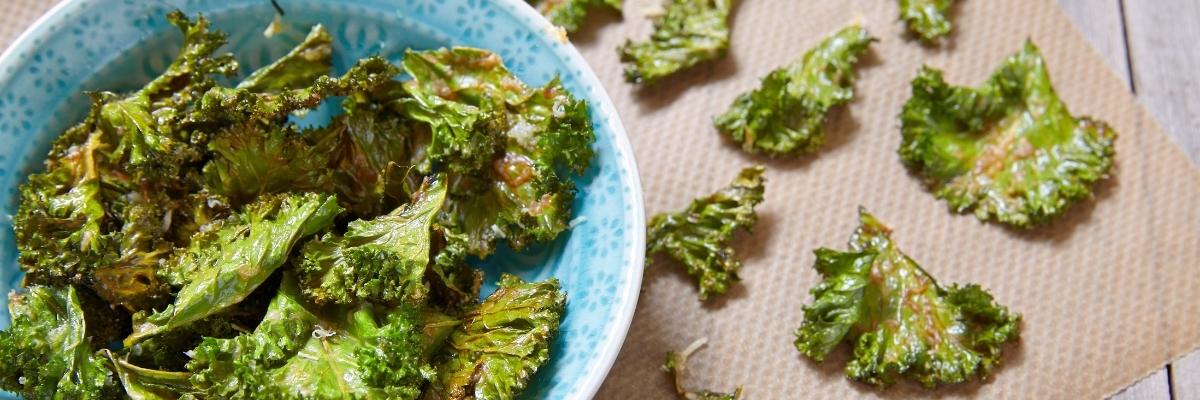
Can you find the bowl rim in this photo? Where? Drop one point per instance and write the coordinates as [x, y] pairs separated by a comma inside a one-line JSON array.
[[555, 40]]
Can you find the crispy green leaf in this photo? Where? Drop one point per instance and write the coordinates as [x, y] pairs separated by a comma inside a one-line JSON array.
[[308, 61], [452, 282], [460, 93], [688, 33], [502, 342], [570, 14], [230, 269], [251, 160], [785, 115], [676, 365], [146, 147], [45, 354], [377, 155], [142, 126], [927, 19], [196, 62], [300, 351], [148, 384], [901, 322], [380, 260], [168, 351], [700, 236], [1008, 150], [73, 218], [220, 107], [61, 227], [509, 176]]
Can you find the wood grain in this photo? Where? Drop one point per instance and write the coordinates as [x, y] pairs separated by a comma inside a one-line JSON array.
[[1159, 38], [1185, 377], [1163, 40], [1154, 387], [1101, 22]]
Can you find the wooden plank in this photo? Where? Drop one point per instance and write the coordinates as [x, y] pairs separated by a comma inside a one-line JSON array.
[[1165, 56], [1185, 377], [1103, 25], [1154, 387], [1101, 22], [1164, 46]]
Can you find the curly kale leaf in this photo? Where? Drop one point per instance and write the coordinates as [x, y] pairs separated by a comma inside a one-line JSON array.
[[570, 14], [225, 271], [221, 107], [676, 365], [46, 354], [460, 93], [130, 280], [927, 19], [77, 216], [1008, 150], [785, 115], [193, 69], [168, 351], [452, 282], [509, 177], [375, 152], [62, 227], [700, 236], [142, 143], [502, 342], [148, 384], [308, 61], [901, 321], [380, 260], [299, 351], [688, 33], [251, 160], [143, 126]]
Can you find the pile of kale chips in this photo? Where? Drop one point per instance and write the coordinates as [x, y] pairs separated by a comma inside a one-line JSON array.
[[188, 240]]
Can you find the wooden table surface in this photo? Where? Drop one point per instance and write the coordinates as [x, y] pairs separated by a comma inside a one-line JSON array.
[[1154, 45]]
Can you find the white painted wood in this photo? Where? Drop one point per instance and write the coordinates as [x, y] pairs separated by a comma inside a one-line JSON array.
[[1185, 378], [1164, 45], [1101, 22], [1154, 387]]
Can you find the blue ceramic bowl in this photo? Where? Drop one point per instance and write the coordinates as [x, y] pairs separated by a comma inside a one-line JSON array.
[[120, 44]]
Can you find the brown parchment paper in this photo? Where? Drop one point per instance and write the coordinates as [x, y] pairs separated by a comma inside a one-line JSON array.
[[1109, 293]]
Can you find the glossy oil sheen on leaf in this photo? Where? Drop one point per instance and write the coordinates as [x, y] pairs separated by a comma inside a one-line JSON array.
[[80, 214], [926, 19], [304, 351], [570, 14], [502, 342], [899, 320], [229, 274], [1008, 150], [46, 353], [510, 148], [379, 260], [785, 115], [687, 33], [700, 237]]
